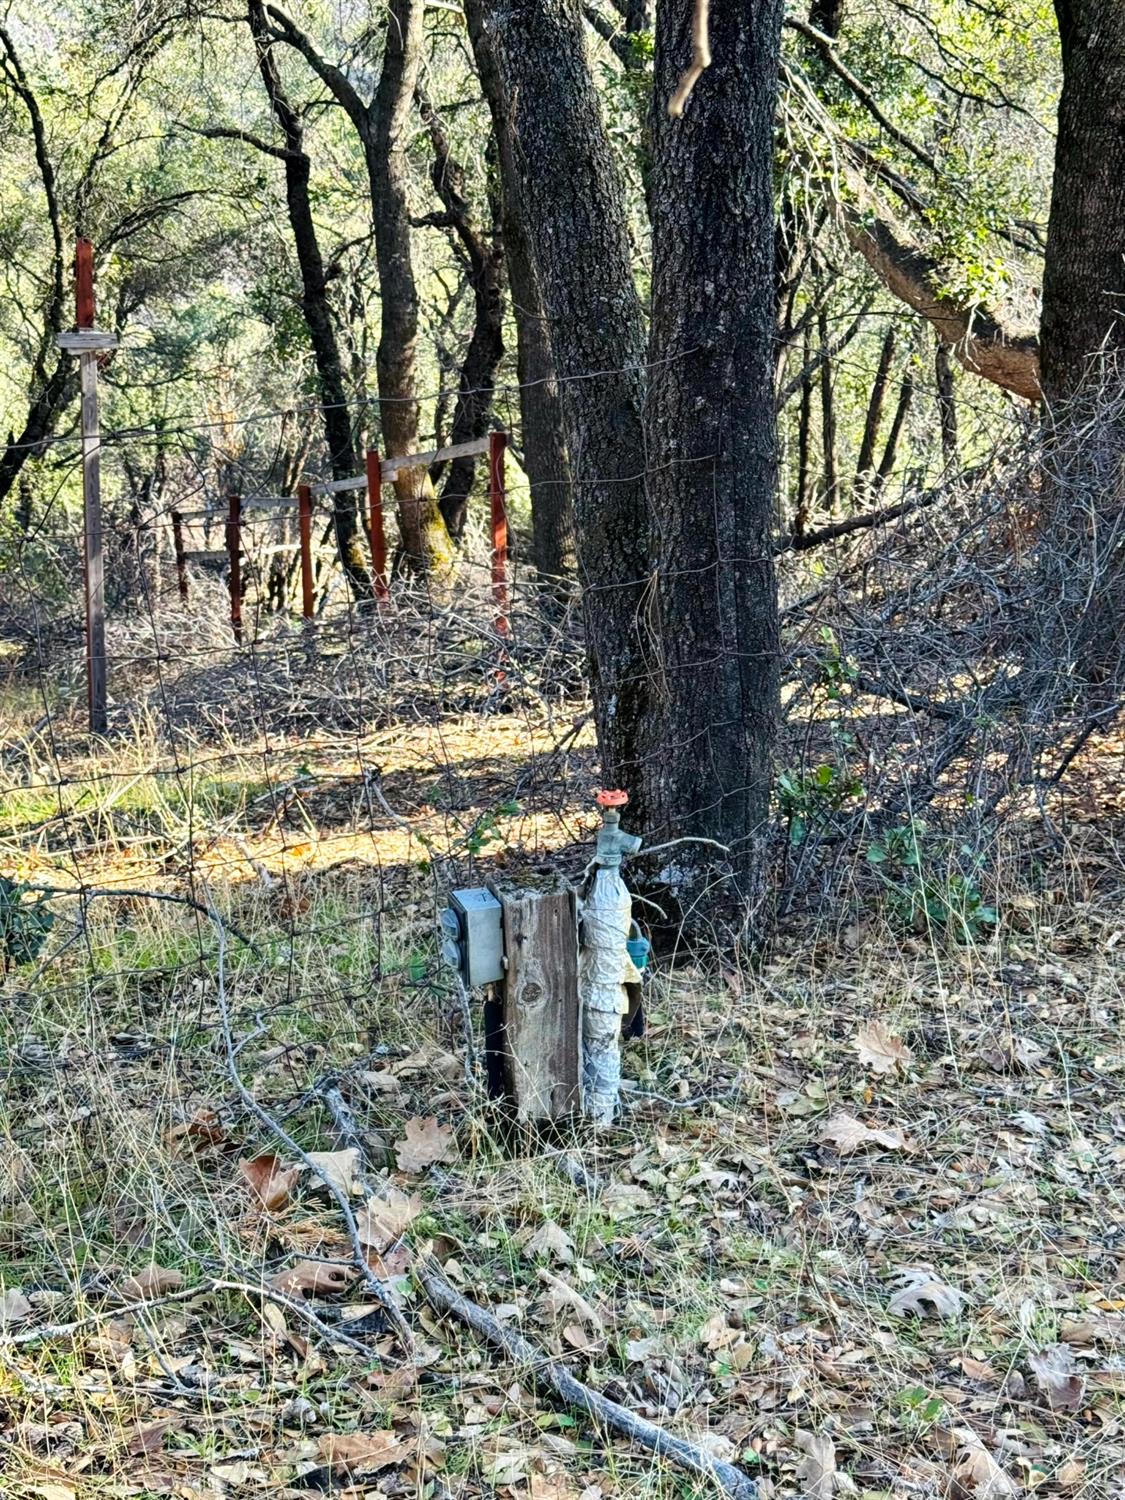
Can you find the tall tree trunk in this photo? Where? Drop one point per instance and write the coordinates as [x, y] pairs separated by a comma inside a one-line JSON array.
[[1084, 273], [483, 255], [827, 411], [425, 540], [710, 428], [947, 406], [898, 421], [545, 459], [562, 184], [1082, 357], [342, 456], [866, 461]]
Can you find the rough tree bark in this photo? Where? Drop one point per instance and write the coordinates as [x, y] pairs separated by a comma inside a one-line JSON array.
[[866, 461], [342, 455], [947, 406], [710, 428], [1082, 336], [1084, 273], [425, 540], [562, 184], [483, 255], [545, 459], [382, 125]]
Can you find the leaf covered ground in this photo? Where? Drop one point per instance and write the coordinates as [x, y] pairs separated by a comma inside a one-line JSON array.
[[860, 1230]]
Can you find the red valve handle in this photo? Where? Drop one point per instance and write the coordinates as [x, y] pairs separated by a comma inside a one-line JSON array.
[[612, 799]]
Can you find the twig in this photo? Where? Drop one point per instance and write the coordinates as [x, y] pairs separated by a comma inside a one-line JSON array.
[[700, 58], [149, 1304], [345, 1122], [86, 893], [549, 1375]]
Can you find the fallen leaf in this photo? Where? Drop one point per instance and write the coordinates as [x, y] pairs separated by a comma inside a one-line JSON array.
[[270, 1182], [817, 1469], [640, 1351], [717, 1333], [14, 1306], [923, 1293], [1069, 1473], [153, 1281], [880, 1051], [52, 1490], [848, 1134], [426, 1142], [312, 1278], [148, 1440], [551, 1242], [1028, 1054], [976, 1473], [552, 1487], [337, 1168], [579, 1337], [203, 1129], [1057, 1378], [387, 1217], [361, 1450], [434, 1062]]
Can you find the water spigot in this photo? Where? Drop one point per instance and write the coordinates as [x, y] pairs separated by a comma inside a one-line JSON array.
[[613, 845]]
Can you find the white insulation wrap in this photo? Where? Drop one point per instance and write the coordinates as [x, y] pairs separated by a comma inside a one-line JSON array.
[[604, 968]]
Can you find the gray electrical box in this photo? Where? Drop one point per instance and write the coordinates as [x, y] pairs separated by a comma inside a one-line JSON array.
[[472, 938]]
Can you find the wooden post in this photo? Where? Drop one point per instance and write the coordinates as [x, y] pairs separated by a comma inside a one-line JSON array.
[[92, 535], [497, 442], [304, 518], [234, 561], [540, 1022], [93, 567], [377, 532], [178, 549]]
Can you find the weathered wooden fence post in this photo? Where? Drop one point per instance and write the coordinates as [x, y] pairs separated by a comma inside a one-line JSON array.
[[88, 342], [304, 521], [539, 1035]]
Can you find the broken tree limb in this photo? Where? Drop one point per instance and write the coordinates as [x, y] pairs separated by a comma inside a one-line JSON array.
[[700, 58], [982, 342], [554, 1377]]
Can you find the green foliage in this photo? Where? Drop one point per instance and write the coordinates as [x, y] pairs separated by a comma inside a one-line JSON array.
[[918, 1409], [809, 798], [922, 891], [25, 924]]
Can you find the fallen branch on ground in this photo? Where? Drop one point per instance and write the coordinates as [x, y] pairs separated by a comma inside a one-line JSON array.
[[547, 1374], [554, 1377]]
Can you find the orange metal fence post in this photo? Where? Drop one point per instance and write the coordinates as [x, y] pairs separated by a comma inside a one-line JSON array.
[[304, 520], [497, 442], [234, 557], [83, 284], [376, 532]]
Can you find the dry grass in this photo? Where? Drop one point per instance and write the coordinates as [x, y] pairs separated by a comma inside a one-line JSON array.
[[733, 1270]]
